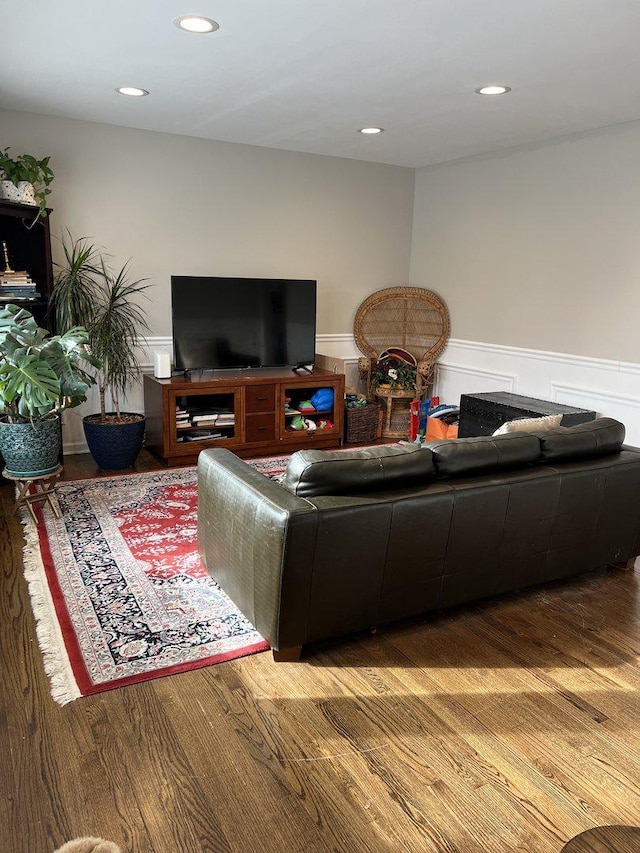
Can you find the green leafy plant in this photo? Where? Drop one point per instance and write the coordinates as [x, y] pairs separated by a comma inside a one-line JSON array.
[[25, 167], [395, 374], [40, 375], [89, 293]]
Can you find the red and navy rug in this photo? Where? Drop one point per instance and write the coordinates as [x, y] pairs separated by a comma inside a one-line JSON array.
[[118, 590]]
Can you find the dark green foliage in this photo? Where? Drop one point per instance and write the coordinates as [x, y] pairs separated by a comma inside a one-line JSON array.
[[25, 167], [40, 375], [88, 292]]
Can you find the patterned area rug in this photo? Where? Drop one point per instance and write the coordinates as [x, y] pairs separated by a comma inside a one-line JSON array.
[[117, 587]]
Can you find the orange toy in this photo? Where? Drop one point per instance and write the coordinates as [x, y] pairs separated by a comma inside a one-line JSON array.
[[437, 429]]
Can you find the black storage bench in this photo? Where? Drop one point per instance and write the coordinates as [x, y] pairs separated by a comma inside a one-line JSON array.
[[482, 414]]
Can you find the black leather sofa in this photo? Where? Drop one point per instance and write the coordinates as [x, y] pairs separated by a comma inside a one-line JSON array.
[[356, 538]]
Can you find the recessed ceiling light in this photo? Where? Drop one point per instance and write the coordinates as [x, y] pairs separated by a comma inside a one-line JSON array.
[[196, 24], [132, 91], [493, 90], [371, 130]]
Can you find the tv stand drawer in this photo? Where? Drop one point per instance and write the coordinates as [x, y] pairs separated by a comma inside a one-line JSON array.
[[260, 398], [260, 427]]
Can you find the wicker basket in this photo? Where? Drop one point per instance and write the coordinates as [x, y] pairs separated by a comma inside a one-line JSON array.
[[361, 424]]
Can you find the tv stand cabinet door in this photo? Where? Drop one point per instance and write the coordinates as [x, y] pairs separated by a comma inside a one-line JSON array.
[[304, 388], [198, 402]]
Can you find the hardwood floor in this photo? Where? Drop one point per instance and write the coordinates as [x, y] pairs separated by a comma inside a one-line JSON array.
[[511, 725]]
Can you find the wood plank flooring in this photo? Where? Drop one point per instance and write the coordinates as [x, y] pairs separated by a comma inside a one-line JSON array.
[[510, 725]]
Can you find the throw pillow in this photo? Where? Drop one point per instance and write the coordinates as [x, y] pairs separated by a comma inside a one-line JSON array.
[[542, 424]]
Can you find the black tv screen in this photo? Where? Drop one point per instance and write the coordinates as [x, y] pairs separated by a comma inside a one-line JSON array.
[[242, 322]]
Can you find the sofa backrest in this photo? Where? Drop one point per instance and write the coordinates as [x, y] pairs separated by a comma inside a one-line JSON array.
[[600, 437], [468, 456], [483, 453], [311, 473]]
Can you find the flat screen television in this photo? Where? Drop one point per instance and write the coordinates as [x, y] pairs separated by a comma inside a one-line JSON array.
[[221, 323]]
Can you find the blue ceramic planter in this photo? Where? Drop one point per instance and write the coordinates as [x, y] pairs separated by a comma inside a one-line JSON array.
[[31, 449], [114, 446]]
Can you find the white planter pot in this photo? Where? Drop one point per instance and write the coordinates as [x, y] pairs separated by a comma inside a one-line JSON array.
[[23, 193]]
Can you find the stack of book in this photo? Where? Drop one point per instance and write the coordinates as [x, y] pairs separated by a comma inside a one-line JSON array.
[[16, 285], [207, 422], [220, 419], [182, 418]]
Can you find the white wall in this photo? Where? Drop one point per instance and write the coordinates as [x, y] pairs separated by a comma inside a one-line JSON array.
[[179, 205], [537, 248], [536, 252]]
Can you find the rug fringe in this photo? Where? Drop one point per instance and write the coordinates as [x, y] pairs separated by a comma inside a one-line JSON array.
[[64, 688]]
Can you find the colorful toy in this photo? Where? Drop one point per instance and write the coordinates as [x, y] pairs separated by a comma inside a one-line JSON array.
[[322, 399], [297, 423], [414, 418]]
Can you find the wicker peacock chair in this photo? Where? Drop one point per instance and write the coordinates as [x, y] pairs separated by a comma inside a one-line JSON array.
[[406, 318], [410, 318]]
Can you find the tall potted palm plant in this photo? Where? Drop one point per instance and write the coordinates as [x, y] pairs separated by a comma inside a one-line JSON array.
[[88, 292], [40, 376]]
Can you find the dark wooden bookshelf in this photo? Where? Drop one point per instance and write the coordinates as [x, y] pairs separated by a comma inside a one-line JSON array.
[[29, 248]]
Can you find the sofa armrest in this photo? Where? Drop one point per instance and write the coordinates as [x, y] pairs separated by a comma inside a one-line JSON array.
[[252, 534]]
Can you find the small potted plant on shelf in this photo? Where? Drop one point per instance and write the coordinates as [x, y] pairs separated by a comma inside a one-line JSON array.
[[25, 180], [40, 376], [88, 292]]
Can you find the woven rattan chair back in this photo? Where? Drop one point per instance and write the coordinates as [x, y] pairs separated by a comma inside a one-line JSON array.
[[409, 317]]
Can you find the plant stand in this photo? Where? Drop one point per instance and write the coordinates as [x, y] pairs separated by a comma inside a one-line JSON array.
[[395, 403], [43, 490]]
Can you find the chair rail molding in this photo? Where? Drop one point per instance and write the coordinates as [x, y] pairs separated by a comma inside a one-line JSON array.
[[562, 392], [340, 345], [498, 381]]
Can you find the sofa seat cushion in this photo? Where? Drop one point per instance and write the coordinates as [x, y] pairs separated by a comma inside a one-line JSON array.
[[484, 453], [600, 437], [311, 473]]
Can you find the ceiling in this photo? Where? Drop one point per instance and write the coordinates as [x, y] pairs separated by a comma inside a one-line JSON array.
[[304, 75]]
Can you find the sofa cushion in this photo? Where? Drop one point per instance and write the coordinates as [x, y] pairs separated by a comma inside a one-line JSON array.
[[311, 473], [600, 437], [541, 424], [478, 454]]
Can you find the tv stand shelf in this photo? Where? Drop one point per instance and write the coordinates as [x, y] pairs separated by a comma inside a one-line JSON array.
[[244, 410]]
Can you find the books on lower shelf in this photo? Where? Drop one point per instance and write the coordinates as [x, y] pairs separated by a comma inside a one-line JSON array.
[[202, 436], [188, 419], [227, 420], [11, 295]]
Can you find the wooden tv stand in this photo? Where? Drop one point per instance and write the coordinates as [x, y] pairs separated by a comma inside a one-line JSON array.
[[249, 405]]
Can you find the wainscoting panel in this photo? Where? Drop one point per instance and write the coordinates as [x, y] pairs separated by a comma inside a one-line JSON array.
[[610, 388], [475, 379]]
